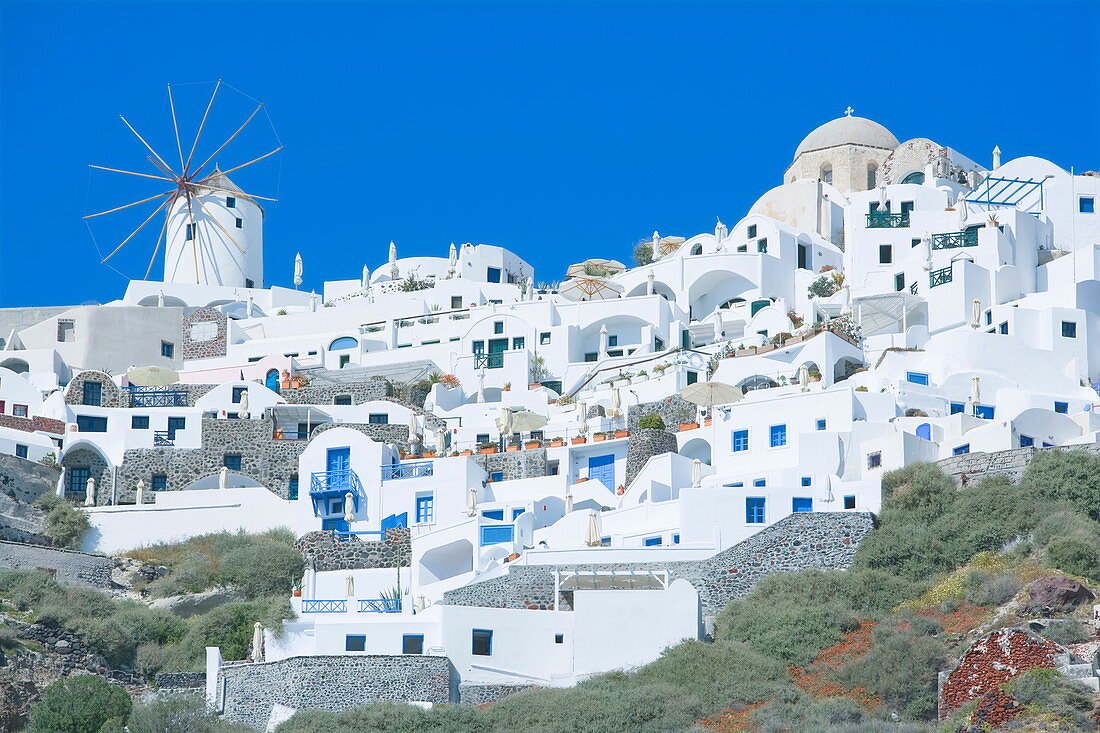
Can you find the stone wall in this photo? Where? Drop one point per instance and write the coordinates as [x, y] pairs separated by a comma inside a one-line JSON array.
[[67, 566], [33, 424], [248, 692], [216, 346], [642, 445], [268, 461], [1012, 463], [325, 393], [826, 540], [673, 409], [326, 553], [74, 393], [94, 461], [471, 693], [527, 463], [21, 482], [181, 680]]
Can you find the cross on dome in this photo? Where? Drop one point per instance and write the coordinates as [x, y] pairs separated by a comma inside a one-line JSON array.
[[848, 112]]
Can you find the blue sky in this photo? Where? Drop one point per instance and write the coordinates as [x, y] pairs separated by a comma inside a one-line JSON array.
[[559, 130]]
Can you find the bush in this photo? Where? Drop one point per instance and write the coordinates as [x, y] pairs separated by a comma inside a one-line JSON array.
[[1046, 689], [178, 714], [721, 674], [79, 704], [1071, 476], [982, 589], [387, 717], [1074, 555], [652, 421], [65, 525], [229, 627], [1068, 631], [643, 252], [822, 287]]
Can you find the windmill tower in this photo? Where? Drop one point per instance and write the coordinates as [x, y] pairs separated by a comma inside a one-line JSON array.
[[215, 237]]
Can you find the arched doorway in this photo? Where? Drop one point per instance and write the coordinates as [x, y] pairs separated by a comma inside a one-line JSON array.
[[271, 381]]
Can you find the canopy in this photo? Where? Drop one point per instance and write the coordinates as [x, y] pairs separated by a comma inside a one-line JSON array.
[[590, 288], [709, 394], [524, 421], [595, 268], [152, 376], [665, 245]]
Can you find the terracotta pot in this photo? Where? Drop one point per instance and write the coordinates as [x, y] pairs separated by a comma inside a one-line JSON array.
[[622, 433], [581, 480], [709, 421], [533, 385], [578, 441], [688, 425], [428, 454], [599, 438], [466, 452], [534, 444], [512, 448], [297, 592], [557, 443], [488, 450]]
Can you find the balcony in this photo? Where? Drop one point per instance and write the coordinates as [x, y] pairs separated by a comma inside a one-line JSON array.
[[939, 277], [488, 361], [164, 438], [395, 471], [326, 485], [339, 605], [153, 397], [886, 220], [952, 240], [380, 605]]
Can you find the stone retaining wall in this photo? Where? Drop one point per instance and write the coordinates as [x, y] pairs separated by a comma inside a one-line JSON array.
[[247, 692], [471, 693], [67, 566], [826, 540], [326, 553], [21, 482], [673, 410], [322, 393], [181, 680], [525, 463], [643, 445], [1012, 463]]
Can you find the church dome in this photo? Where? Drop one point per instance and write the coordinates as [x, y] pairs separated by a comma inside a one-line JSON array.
[[848, 130]]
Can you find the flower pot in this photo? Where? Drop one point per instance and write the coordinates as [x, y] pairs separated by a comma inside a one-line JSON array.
[[466, 452], [688, 425], [579, 440], [599, 437], [533, 444], [488, 450], [709, 421], [581, 480], [533, 385], [622, 433], [297, 592], [557, 443], [428, 454], [815, 379], [512, 448]]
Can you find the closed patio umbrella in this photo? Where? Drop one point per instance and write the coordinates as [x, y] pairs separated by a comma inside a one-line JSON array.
[[152, 376], [568, 501], [804, 377], [89, 492], [140, 492], [257, 642], [471, 502], [696, 472], [349, 587], [243, 409], [592, 537], [976, 314], [615, 411], [223, 478], [414, 432], [975, 390], [349, 507], [297, 270], [440, 441]]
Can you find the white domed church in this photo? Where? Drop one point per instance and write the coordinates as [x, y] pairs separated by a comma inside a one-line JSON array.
[[846, 152]]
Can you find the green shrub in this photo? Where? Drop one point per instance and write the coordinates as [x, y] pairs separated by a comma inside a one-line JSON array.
[[65, 524], [982, 589], [178, 714], [229, 627], [653, 421], [1047, 690], [1074, 555], [1068, 631], [263, 569], [720, 674], [389, 717], [80, 704], [1072, 476]]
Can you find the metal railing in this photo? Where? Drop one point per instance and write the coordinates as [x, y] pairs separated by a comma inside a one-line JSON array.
[[152, 397], [380, 605], [939, 277], [913, 288], [415, 469], [951, 240], [347, 480], [338, 605], [488, 360], [166, 438], [886, 220]]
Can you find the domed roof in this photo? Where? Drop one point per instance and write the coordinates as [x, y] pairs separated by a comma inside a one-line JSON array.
[[848, 130]]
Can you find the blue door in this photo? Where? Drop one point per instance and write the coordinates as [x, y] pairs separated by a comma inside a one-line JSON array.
[[924, 430], [602, 468], [338, 466], [272, 380]]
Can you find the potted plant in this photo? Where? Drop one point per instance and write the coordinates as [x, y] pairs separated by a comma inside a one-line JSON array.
[[533, 444], [992, 221], [487, 448], [599, 437], [507, 386], [688, 426], [861, 389], [511, 448], [652, 421], [815, 375], [622, 433], [557, 442], [659, 369], [708, 421], [641, 376], [430, 453], [465, 452], [578, 440]]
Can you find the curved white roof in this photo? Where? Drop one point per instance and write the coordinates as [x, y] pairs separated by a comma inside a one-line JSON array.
[[848, 131]]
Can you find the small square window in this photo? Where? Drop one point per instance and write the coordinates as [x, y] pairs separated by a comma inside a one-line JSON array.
[[751, 231], [651, 541], [754, 510], [807, 481], [961, 450], [1086, 205], [740, 440], [1026, 441], [232, 461], [355, 643], [1069, 329], [821, 423], [612, 340], [412, 644], [544, 338], [167, 349], [899, 281], [759, 482], [482, 642], [498, 326], [1062, 407], [240, 223], [849, 502], [345, 359], [957, 407], [676, 539], [20, 410], [917, 378], [496, 476], [762, 245], [379, 418], [492, 274], [342, 399], [778, 435], [139, 422], [20, 451], [885, 254], [1003, 328], [230, 202], [874, 460], [802, 504], [518, 342], [482, 438], [238, 392], [425, 508], [559, 638], [160, 482], [984, 411]]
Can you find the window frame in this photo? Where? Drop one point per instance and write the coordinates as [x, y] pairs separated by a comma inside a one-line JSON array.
[[756, 513], [356, 639], [735, 436], [486, 637], [777, 436]]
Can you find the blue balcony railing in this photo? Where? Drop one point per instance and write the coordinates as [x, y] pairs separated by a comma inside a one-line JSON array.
[[331, 481], [495, 534], [327, 606], [153, 397], [939, 277], [380, 605], [886, 220], [416, 469], [483, 360], [951, 240], [165, 438]]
